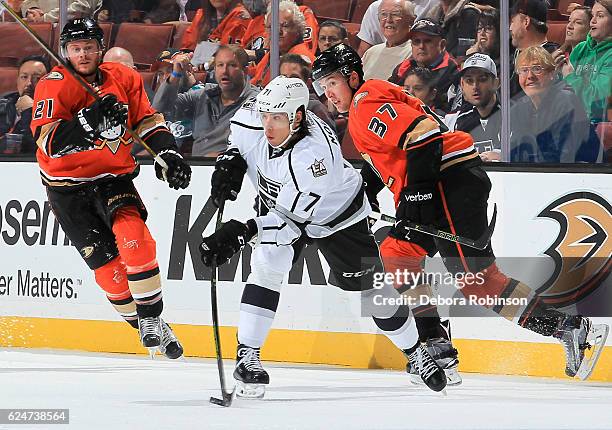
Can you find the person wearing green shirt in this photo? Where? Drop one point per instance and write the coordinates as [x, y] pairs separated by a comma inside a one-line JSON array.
[[591, 73]]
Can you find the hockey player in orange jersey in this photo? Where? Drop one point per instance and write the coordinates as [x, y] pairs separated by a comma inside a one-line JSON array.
[[436, 179], [84, 153]]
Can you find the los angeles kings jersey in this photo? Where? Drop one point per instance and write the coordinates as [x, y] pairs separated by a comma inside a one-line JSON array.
[[386, 123], [307, 187], [57, 100]]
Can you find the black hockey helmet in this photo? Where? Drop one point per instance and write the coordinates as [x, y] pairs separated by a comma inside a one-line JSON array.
[[81, 29], [338, 58]]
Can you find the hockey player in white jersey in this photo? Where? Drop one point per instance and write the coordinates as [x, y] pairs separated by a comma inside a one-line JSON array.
[[307, 193]]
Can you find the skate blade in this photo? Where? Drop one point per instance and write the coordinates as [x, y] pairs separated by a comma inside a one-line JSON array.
[[597, 339], [453, 378], [250, 391], [152, 352]]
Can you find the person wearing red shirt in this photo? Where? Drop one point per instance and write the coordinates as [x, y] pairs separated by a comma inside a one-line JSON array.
[[291, 40]]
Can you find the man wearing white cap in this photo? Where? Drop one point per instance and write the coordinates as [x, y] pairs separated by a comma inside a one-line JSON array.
[[479, 114]]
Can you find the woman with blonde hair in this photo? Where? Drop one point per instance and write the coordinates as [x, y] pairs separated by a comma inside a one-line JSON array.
[[549, 124]]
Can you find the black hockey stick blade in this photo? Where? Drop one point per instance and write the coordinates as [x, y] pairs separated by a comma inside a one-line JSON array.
[[227, 397], [485, 239], [227, 400]]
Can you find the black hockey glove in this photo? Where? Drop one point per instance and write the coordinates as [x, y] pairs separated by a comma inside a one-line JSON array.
[[102, 115], [220, 246], [227, 178], [178, 174], [417, 205]]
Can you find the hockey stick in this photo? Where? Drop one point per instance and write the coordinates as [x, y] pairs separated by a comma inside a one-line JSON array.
[[81, 81], [480, 243], [227, 397]]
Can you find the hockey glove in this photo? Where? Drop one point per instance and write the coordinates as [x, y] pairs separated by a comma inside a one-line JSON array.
[[220, 246], [417, 205], [102, 115], [178, 174], [227, 178]]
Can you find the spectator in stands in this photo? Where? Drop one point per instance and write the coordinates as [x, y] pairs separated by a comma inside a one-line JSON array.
[[254, 38], [119, 55], [291, 39], [331, 33], [48, 10], [487, 34], [429, 50], [311, 31], [549, 124], [459, 20], [210, 108], [16, 108], [591, 61], [420, 83], [294, 66], [370, 33], [116, 11], [395, 19], [527, 28], [576, 31], [181, 128], [162, 11], [480, 113], [221, 21]]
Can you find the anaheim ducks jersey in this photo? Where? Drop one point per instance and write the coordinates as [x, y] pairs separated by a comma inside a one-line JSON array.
[[254, 36], [307, 187], [229, 31], [388, 126], [57, 100], [311, 31]]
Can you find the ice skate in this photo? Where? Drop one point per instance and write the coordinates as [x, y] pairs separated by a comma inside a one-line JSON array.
[[442, 351], [170, 345], [429, 371], [578, 335], [150, 333], [250, 376]]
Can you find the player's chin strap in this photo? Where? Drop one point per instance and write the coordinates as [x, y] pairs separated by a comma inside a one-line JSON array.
[[292, 131]]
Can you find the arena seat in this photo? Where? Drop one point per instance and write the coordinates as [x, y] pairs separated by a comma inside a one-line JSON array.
[[556, 31], [359, 9], [339, 10], [18, 43], [562, 5], [352, 29], [107, 28], [8, 79], [179, 29], [144, 41]]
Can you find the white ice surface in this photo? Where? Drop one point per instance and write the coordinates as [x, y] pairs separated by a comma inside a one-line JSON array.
[[112, 391]]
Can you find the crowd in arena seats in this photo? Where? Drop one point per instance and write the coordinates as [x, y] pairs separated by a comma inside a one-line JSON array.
[[446, 52]]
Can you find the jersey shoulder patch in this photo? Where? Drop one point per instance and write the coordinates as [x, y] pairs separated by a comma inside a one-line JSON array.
[[54, 76]]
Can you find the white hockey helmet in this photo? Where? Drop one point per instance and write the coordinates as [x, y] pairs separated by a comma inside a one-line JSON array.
[[283, 95]]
